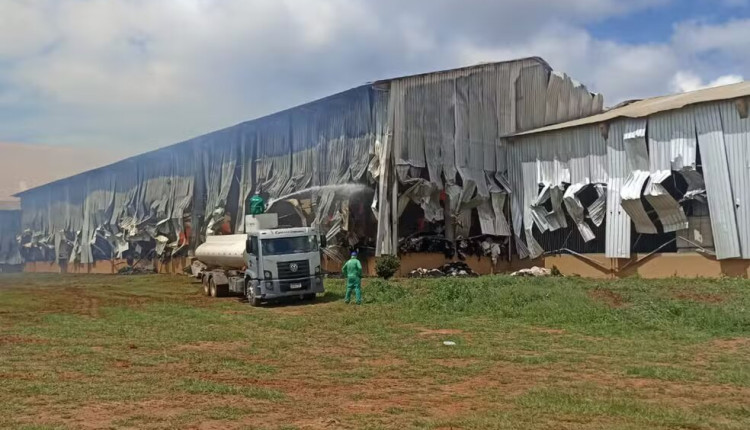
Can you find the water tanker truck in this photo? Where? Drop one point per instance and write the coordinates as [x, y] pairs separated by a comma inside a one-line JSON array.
[[265, 264]]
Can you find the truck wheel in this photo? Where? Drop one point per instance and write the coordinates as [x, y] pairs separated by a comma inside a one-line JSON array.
[[310, 297], [250, 293], [206, 289], [212, 287]]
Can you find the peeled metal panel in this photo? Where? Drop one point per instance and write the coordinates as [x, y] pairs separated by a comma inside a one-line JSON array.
[[672, 141], [737, 142], [669, 211], [632, 204], [618, 230], [634, 142], [598, 209], [718, 183], [498, 206], [576, 211]]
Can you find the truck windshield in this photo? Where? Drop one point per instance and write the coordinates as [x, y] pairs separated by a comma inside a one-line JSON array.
[[290, 245]]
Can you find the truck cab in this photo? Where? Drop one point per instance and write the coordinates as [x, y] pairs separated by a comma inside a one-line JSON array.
[[283, 263]]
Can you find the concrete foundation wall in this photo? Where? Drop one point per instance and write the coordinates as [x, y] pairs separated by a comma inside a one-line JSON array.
[[596, 266], [106, 267]]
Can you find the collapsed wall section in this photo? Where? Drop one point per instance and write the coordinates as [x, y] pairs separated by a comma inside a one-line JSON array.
[[673, 180]]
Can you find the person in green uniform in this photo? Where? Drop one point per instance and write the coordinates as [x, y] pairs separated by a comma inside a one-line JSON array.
[[257, 204], [352, 270]]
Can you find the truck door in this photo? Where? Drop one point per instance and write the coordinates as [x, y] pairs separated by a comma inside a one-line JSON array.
[[253, 260]]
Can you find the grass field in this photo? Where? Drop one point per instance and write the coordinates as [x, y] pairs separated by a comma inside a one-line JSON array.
[[560, 353]]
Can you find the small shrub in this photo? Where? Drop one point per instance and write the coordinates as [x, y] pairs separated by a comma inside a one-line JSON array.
[[386, 266]]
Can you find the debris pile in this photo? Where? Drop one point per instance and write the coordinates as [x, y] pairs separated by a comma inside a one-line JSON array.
[[457, 269], [426, 242], [533, 272], [479, 246], [130, 270]]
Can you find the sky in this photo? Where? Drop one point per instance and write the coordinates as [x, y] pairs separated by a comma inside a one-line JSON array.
[[128, 76]]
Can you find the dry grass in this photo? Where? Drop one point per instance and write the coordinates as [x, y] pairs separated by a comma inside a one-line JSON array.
[[151, 352]]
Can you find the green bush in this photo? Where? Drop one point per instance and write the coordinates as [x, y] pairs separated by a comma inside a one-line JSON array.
[[386, 266]]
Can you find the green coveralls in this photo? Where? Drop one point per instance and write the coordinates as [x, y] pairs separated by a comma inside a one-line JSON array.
[[257, 205], [353, 271]]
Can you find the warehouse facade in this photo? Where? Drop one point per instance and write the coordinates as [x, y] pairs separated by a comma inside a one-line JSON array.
[[428, 143], [657, 187]]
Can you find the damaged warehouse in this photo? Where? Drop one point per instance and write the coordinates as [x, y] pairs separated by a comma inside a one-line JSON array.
[[504, 165], [427, 143]]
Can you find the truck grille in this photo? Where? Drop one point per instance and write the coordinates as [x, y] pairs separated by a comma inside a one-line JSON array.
[[285, 270], [286, 286]]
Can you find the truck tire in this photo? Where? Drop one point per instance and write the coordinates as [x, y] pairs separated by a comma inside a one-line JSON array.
[[206, 289], [212, 288], [250, 293], [310, 297]]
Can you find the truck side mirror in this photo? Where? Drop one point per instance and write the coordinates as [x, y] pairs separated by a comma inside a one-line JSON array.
[[249, 247], [323, 241]]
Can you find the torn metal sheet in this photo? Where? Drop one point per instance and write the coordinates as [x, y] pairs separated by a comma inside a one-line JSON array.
[[598, 209], [549, 220], [670, 213], [427, 196], [577, 211], [636, 153], [535, 250], [672, 141], [491, 216], [631, 202], [498, 206], [696, 186]]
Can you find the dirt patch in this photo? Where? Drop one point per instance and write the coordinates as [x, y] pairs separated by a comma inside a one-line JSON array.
[[607, 297], [549, 330], [439, 332], [700, 297], [212, 346], [455, 362], [731, 345], [385, 362], [7, 340]]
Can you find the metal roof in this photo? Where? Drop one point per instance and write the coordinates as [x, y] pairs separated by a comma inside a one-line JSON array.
[[538, 60], [111, 162], [647, 107]]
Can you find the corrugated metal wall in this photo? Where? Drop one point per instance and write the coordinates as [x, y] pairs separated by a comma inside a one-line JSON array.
[[641, 182]]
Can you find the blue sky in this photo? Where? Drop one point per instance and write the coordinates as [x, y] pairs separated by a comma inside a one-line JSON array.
[[128, 76], [655, 24]]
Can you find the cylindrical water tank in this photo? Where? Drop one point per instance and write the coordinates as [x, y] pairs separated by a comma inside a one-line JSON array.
[[227, 252]]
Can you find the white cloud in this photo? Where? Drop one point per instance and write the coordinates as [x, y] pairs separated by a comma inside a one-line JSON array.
[[684, 81], [137, 74]]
